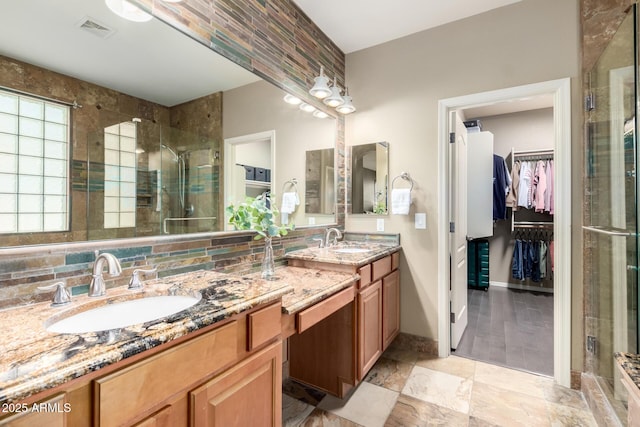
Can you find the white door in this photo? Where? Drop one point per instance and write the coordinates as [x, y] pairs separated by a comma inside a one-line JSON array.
[[458, 234]]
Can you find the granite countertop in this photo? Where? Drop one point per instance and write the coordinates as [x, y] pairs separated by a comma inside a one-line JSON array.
[[33, 359], [630, 363], [310, 285], [332, 254]]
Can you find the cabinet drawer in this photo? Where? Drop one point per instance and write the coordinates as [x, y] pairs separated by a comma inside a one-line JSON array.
[[365, 276], [312, 315], [263, 325], [395, 260], [52, 414], [125, 394], [381, 268]]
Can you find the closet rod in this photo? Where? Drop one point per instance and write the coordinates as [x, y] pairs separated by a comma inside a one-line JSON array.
[[532, 224], [520, 153]]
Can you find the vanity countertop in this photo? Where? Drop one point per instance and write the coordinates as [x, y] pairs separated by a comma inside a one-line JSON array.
[[33, 359], [310, 286], [630, 364], [332, 255]]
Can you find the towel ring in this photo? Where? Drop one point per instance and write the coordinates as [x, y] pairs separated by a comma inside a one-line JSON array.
[[292, 182], [405, 176]]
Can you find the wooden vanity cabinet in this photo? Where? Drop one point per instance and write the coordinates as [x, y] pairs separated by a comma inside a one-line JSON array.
[[369, 309], [226, 368], [390, 308], [337, 353]]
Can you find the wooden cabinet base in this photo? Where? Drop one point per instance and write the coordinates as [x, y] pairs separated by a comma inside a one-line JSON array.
[[249, 394], [324, 355]]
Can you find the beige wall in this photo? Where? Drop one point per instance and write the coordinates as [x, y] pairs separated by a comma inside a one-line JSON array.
[[396, 87]]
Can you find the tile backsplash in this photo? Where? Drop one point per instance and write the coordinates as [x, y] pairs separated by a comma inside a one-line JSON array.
[[24, 269]]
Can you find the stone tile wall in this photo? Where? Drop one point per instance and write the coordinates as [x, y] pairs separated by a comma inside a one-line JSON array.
[[22, 272]]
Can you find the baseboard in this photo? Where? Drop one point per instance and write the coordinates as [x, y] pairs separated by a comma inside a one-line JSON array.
[[521, 287], [598, 402], [416, 343]]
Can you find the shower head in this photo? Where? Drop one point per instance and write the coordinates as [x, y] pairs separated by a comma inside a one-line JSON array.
[[175, 155]]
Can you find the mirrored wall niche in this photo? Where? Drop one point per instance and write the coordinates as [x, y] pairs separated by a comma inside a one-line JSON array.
[[369, 189], [146, 156]]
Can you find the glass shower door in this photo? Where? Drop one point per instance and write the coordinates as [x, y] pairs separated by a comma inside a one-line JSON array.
[[611, 238]]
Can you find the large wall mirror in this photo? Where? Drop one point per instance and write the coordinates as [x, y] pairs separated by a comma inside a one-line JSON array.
[[110, 129], [370, 178]]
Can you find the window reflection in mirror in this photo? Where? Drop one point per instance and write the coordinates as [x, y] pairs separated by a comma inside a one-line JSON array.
[[370, 178]]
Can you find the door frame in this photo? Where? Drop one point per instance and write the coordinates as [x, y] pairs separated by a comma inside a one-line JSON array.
[[561, 91], [229, 158]]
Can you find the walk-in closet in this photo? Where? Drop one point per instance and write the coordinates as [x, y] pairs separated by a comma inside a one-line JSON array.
[[510, 253]]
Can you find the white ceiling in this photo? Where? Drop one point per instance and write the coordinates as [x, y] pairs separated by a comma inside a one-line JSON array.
[[155, 62], [148, 60], [358, 24]]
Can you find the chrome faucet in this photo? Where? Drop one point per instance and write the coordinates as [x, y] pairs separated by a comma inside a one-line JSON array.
[[61, 296], [97, 288], [327, 237]]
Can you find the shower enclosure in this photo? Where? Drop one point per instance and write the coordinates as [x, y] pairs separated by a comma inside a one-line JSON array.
[[611, 214], [146, 179]]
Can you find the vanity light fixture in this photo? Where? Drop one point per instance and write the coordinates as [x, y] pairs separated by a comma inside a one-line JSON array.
[[335, 99], [347, 106], [321, 87], [293, 100], [320, 114], [128, 11]]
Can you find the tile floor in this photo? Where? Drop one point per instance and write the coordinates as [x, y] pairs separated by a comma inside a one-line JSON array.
[[407, 388], [510, 328]]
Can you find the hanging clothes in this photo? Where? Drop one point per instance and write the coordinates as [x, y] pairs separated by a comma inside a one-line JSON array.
[[512, 196], [501, 181], [531, 260], [525, 184], [540, 180], [517, 267], [551, 196], [549, 189]]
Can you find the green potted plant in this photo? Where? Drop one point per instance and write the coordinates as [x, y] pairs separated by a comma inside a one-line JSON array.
[[259, 214]]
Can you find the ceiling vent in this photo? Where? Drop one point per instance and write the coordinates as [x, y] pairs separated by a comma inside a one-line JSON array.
[[95, 27]]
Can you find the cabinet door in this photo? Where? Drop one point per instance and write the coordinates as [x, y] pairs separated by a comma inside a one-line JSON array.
[[369, 327], [162, 418], [173, 414], [248, 394], [50, 413], [390, 308]]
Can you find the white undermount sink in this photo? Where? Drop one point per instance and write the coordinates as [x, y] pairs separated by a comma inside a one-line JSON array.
[[122, 314], [351, 250]]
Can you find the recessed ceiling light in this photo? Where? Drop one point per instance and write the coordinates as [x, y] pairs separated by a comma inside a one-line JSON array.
[[320, 114], [307, 107], [293, 100], [128, 11]]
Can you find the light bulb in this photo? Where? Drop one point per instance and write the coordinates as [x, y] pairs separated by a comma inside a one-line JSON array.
[[321, 87], [128, 11]]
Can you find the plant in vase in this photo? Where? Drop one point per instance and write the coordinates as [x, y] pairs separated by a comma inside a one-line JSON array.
[[259, 214]]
